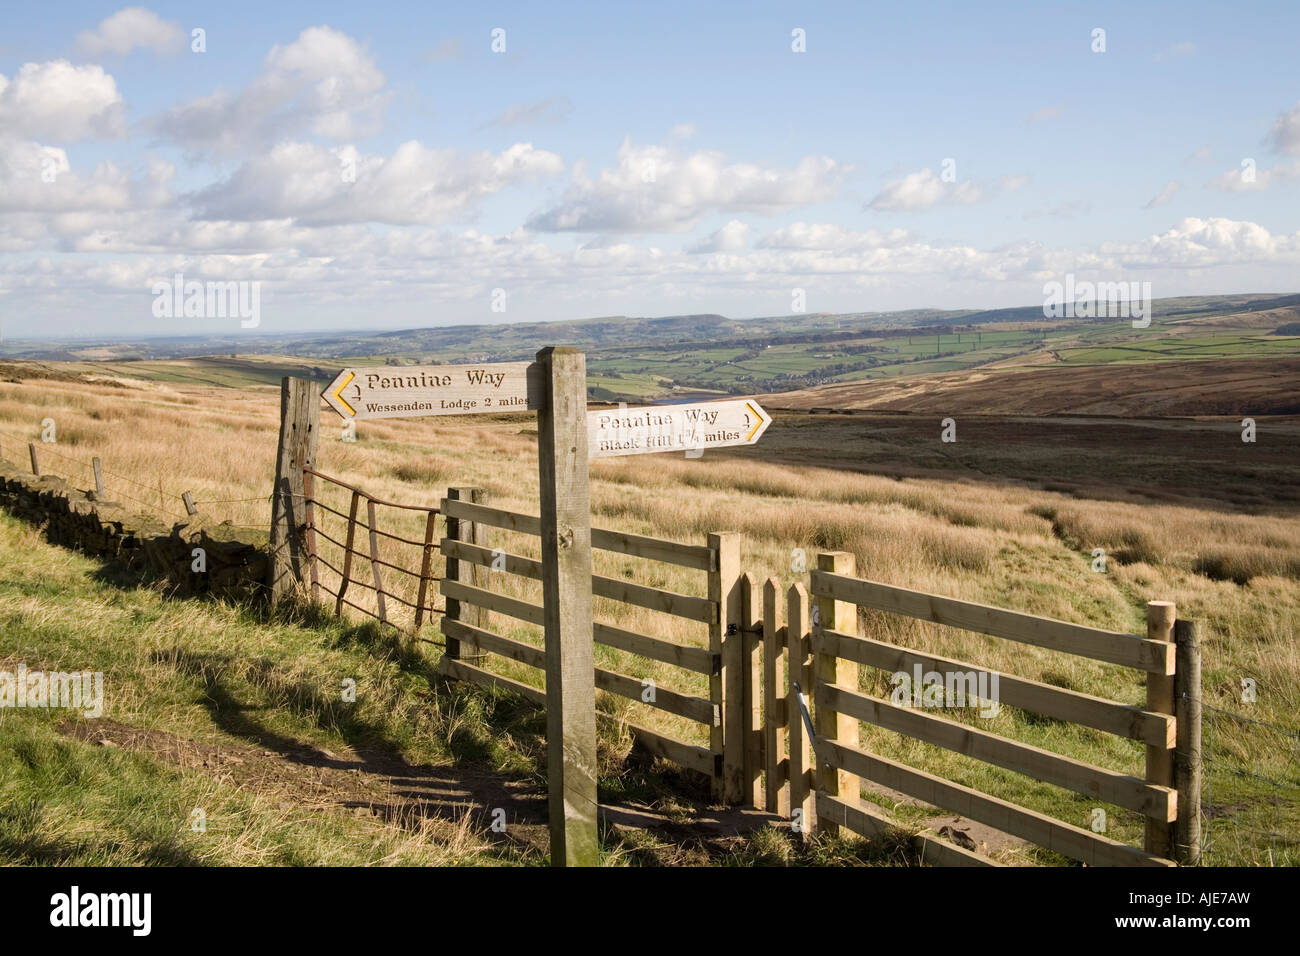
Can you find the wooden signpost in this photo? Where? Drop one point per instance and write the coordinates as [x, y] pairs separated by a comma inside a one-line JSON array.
[[555, 386], [395, 391], [656, 428]]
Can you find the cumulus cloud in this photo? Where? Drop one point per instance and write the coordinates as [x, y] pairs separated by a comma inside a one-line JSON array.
[[1285, 134], [59, 101], [831, 236], [1252, 179], [730, 238], [129, 29], [324, 83], [315, 185], [659, 189], [1165, 195], [924, 189], [1197, 243]]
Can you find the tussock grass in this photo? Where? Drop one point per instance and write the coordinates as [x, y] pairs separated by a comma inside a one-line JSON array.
[[988, 536]]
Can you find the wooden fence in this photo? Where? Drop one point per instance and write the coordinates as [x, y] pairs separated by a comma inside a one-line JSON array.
[[403, 572], [823, 654], [783, 676], [468, 589]]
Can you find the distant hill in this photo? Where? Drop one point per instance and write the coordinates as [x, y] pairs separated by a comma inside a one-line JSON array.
[[1252, 386], [513, 341]]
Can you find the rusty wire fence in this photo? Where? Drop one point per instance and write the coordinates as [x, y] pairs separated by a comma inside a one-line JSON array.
[[381, 569]]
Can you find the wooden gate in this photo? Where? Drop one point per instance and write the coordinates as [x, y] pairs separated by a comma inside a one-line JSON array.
[[824, 649], [402, 571], [478, 575]]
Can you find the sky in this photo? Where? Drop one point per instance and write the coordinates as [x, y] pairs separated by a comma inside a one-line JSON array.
[[395, 165]]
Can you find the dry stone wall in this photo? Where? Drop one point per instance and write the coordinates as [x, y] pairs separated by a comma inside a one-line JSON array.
[[235, 559]]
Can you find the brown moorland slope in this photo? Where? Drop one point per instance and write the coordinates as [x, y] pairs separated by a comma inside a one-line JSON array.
[[1269, 386]]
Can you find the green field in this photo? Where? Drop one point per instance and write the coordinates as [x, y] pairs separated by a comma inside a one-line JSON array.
[[805, 355]]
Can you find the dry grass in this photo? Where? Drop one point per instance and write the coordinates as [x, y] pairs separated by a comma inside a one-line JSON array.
[[980, 534]]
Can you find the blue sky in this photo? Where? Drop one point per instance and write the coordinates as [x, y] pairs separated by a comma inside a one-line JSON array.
[[379, 165]]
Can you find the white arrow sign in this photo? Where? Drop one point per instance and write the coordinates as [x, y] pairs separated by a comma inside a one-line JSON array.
[[702, 425], [394, 391]]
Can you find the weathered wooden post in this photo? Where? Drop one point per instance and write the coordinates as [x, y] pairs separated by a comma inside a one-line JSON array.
[[776, 795], [299, 428], [99, 477], [838, 616], [187, 498], [726, 686], [1160, 698], [36, 468], [1187, 755], [800, 681], [466, 572], [751, 670], [566, 590]]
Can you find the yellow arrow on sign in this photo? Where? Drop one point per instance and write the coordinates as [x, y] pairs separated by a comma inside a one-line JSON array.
[[757, 414], [338, 393]]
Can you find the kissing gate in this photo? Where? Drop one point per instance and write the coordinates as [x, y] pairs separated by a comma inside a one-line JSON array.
[[783, 705]]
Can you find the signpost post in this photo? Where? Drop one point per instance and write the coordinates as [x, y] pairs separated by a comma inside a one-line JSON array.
[[566, 607], [555, 386]]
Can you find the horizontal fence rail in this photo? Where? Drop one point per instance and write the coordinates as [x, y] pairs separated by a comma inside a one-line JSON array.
[[470, 597], [818, 783]]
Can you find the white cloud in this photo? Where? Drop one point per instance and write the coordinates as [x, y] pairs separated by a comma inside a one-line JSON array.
[[659, 189], [1238, 180], [129, 29], [924, 189], [1285, 134], [315, 185], [832, 236], [1165, 195], [730, 238], [1197, 243], [324, 83], [59, 101]]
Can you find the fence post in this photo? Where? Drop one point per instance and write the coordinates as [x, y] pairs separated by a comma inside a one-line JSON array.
[[800, 679], [1160, 698], [309, 513], [188, 498], [828, 669], [466, 572], [566, 600], [426, 565], [99, 478], [299, 425], [374, 560], [36, 468], [775, 719], [725, 685], [751, 646], [346, 576], [1187, 756]]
